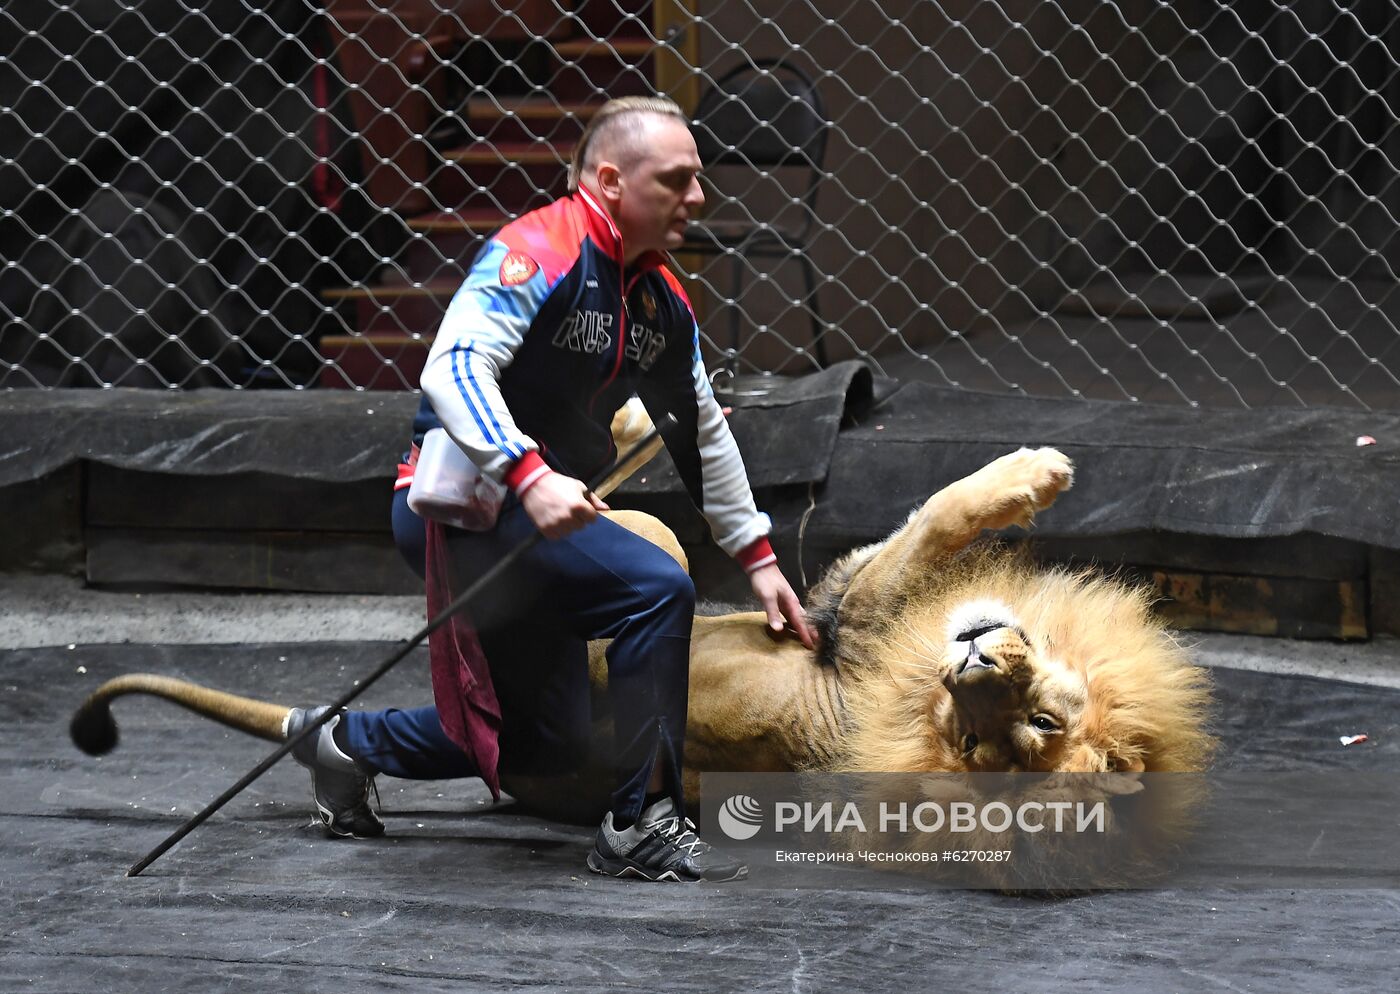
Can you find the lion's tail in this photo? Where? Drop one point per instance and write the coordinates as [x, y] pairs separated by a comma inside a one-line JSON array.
[[94, 730]]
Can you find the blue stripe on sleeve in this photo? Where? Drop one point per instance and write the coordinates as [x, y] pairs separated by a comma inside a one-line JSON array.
[[476, 416], [474, 397], [509, 448]]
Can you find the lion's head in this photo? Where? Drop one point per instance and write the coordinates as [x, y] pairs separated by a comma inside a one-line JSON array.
[[992, 664]]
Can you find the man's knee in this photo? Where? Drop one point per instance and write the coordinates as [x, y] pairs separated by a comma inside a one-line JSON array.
[[670, 588]]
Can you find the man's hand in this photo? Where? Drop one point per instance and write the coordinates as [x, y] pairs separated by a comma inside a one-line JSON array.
[[779, 602], [559, 504]]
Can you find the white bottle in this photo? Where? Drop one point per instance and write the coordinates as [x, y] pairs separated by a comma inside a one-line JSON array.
[[448, 487]]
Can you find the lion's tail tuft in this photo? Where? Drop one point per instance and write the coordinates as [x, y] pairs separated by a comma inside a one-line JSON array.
[[94, 729]]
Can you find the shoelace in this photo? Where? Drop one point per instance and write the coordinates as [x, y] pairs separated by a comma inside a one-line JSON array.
[[677, 833]]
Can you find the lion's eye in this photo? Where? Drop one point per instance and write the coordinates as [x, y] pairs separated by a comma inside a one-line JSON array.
[[969, 742], [1044, 723]]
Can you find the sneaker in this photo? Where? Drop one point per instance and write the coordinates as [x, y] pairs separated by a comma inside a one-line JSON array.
[[660, 846], [338, 785]]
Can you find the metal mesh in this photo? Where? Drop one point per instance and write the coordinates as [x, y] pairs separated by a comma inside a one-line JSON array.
[[1187, 203]]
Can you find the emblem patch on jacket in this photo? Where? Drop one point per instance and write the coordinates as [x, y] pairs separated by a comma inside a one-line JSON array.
[[516, 268]]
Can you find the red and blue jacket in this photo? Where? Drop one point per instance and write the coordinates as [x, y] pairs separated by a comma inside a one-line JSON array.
[[549, 335]]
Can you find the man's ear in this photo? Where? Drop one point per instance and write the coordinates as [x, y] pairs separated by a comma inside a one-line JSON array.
[[609, 179]]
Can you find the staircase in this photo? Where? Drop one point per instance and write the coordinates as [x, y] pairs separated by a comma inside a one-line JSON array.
[[470, 148]]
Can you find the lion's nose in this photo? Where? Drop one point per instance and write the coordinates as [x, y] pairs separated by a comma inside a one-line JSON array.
[[975, 662]]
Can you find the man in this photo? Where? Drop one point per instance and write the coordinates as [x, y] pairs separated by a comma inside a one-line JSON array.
[[564, 314]]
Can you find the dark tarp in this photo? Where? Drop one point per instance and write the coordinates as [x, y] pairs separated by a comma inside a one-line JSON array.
[[1240, 474], [338, 436], [459, 896], [788, 435], [326, 435], [872, 454]]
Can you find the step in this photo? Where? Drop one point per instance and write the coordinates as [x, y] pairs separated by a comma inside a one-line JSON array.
[[626, 48], [397, 307], [448, 241], [379, 360], [530, 109], [391, 291], [608, 18], [381, 341], [474, 189], [524, 153], [481, 221], [551, 119]]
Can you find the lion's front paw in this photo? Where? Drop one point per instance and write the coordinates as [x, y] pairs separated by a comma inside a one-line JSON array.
[[1026, 481], [629, 424]]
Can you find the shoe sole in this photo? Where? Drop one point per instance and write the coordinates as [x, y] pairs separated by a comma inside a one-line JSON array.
[[623, 869]]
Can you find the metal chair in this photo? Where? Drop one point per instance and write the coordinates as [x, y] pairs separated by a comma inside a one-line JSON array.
[[763, 115]]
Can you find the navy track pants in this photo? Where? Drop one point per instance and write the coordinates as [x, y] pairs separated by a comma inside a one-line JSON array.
[[601, 582]]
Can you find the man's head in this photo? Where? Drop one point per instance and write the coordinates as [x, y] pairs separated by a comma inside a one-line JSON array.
[[638, 158]]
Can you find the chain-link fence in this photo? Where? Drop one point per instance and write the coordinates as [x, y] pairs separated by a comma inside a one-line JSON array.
[[1191, 202]]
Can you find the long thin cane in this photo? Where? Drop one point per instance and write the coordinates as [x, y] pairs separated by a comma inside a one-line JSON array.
[[611, 476]]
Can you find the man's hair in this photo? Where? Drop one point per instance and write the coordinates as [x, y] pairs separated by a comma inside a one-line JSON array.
[[614, 120]]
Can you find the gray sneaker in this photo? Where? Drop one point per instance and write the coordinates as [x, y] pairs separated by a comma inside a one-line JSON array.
[[660, 846], [338, 785]]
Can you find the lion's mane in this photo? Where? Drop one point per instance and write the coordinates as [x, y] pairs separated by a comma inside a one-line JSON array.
[[1145, 697]]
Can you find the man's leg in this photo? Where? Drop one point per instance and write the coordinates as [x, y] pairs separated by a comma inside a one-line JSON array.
[[408, 743], [349, 750], [601, 582], [606, 582], [542, 685], [540, 673]]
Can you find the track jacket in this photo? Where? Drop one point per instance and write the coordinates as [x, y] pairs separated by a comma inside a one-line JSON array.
[[548, 337]]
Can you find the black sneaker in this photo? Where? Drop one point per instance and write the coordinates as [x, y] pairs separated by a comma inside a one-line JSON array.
[[338, 786], [660, 846]]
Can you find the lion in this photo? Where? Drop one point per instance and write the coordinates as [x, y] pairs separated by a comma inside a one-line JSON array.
[[937, 654]]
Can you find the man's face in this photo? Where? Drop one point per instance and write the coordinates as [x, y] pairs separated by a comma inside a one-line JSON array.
[[660, 193]]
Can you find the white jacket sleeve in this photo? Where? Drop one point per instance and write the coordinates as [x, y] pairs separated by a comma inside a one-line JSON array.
[[704, 451], [479, 336]]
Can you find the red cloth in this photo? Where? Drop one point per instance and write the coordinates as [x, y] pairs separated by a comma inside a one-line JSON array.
[[466, 701]]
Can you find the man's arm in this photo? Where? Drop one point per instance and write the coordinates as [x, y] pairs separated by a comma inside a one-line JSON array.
[[483, 328], [560, 504], [779, 602], [708, 460]]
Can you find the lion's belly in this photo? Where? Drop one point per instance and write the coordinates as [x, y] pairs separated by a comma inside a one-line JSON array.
[[757, 703]]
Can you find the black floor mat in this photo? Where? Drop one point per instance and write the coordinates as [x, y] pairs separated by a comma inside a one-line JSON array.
[[460, 896]]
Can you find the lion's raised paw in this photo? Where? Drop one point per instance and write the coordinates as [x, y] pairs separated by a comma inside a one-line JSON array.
[[1045, 473], [1025, 481]]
